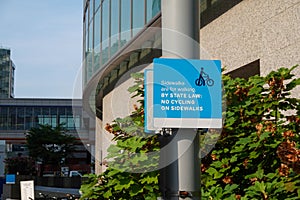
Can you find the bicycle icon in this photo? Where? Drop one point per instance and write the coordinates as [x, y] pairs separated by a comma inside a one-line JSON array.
[[204, 79]]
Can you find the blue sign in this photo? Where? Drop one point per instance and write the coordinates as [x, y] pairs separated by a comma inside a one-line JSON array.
[[187, 93], [10, 179]]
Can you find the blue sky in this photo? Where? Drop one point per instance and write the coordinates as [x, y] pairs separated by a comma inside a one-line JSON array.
[[45, 38]]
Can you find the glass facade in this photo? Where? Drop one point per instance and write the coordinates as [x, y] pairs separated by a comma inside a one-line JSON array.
[[111, 30], [7, 69], [109, 25], [25, 117]]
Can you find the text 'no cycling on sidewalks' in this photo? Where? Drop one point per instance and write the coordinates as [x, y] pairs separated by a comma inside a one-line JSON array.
[[183, 93]]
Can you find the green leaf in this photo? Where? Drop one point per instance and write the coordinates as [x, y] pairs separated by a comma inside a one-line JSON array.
[[236, 169], [264, 136], [260, 186], [113, 172], [137, 75], [124, 184], [229, 188], [107, 194], [233, 159], [244, 141], [213, 172], [217, 164], [255, 91], [149, 180], [254, 154]]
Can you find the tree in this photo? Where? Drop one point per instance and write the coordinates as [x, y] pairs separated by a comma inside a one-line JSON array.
[[130, 173], [49, 145], [19, 165]]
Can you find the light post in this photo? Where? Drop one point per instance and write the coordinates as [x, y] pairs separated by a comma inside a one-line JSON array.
[[180, 37]]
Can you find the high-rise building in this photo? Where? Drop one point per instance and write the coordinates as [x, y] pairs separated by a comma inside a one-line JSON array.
[[7, 70], [123, 36]]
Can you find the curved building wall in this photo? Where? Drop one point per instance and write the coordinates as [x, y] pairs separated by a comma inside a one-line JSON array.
[[109, 25], [110, 29], [248, 36]]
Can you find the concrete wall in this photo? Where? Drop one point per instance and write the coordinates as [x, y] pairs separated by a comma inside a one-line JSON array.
[[116, 104], [254, 29]]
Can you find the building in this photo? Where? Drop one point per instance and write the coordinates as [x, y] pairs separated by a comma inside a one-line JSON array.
[[123, 36], [18, 115], [7, 70]]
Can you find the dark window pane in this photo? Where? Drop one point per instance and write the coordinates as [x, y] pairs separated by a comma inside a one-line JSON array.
[[20, 119], [12, 118], [53, 110], [29, 118], [45, 111]]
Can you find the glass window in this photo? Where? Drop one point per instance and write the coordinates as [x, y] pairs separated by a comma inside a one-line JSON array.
[[45, 111], [63, 119], [86, 35], [97, 29], [70, 124], [115, 11], [149, 10], [37, 111], [45, 117], [97, 4], [105, 31], [91, 6], [61, 111], [47, 120], [77, 122], [3, 118], [20, 119], [53, 120], [29, 118], [12, 118], [105, 20], [97, 37], [138, 15], [53, 110], [125, 21], [89, 58], [153, 7], [156, 7], [90, 41], [69, 111]]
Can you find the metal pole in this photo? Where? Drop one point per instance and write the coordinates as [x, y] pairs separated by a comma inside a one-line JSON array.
[[180, 39]]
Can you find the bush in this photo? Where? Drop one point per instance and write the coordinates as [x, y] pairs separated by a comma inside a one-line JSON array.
[[20, 165], [130, 172], [257, 155]]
